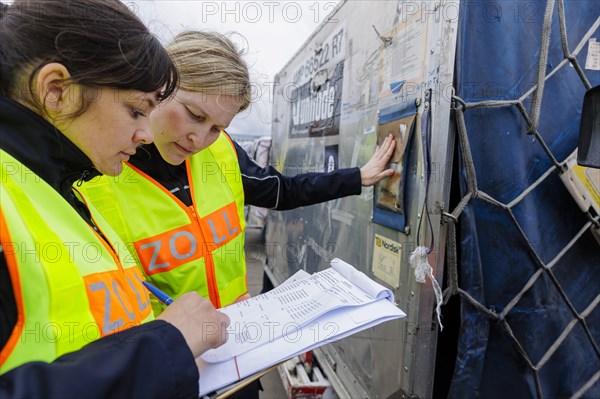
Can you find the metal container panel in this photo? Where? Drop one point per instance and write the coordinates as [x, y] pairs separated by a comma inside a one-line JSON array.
[[363, 49]]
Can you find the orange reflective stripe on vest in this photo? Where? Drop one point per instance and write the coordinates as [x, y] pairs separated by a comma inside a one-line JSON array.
[[223, 224], [169, 250], [111, 299]]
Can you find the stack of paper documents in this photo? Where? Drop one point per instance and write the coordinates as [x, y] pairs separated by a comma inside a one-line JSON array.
[[303, 313]]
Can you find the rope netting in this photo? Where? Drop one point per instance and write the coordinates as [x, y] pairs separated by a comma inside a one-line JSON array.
[[544, 269]]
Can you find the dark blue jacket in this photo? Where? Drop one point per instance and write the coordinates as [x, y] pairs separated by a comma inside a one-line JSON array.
[[264, 187]]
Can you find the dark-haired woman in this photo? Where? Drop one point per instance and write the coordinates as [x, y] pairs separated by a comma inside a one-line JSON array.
[[76, 88]]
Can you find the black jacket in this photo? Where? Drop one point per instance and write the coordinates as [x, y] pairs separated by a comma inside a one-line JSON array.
[[264, 187], [150, 361]]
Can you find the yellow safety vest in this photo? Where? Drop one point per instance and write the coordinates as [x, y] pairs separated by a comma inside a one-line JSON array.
[[181, 249], [70, 286]]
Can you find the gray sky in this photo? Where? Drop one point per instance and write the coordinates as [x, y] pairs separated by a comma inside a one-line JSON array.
[[270, 32]]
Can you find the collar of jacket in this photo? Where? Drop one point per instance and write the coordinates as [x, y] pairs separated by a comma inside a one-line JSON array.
[[148, 159], [42, 148]]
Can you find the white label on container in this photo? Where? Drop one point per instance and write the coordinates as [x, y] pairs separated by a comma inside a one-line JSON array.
[[386, 260], [592, 61]]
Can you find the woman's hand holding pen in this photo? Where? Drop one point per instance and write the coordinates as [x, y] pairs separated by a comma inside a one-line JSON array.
[[201, 325]]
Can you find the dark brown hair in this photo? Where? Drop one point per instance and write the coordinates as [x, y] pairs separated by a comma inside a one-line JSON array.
[[101, 42]]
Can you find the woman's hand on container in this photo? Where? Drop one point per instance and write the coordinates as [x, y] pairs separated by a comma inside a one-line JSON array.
[[374, 170]]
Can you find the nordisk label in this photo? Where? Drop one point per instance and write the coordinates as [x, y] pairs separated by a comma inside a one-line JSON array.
[[386, 260]]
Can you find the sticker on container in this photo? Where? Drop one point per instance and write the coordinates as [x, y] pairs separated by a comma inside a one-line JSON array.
[[386, 260], [369, 130], [592, 61], [590, 178], [331, 158]]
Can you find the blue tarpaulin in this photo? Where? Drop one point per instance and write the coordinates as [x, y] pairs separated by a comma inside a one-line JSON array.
[[550, 354]]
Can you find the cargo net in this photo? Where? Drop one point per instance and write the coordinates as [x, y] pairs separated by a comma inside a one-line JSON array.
[[532, 120]]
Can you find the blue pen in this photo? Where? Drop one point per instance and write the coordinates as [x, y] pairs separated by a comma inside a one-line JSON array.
[[164, 298]]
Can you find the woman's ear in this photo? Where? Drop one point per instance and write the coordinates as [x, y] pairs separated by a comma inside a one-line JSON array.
[[52, 90]]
